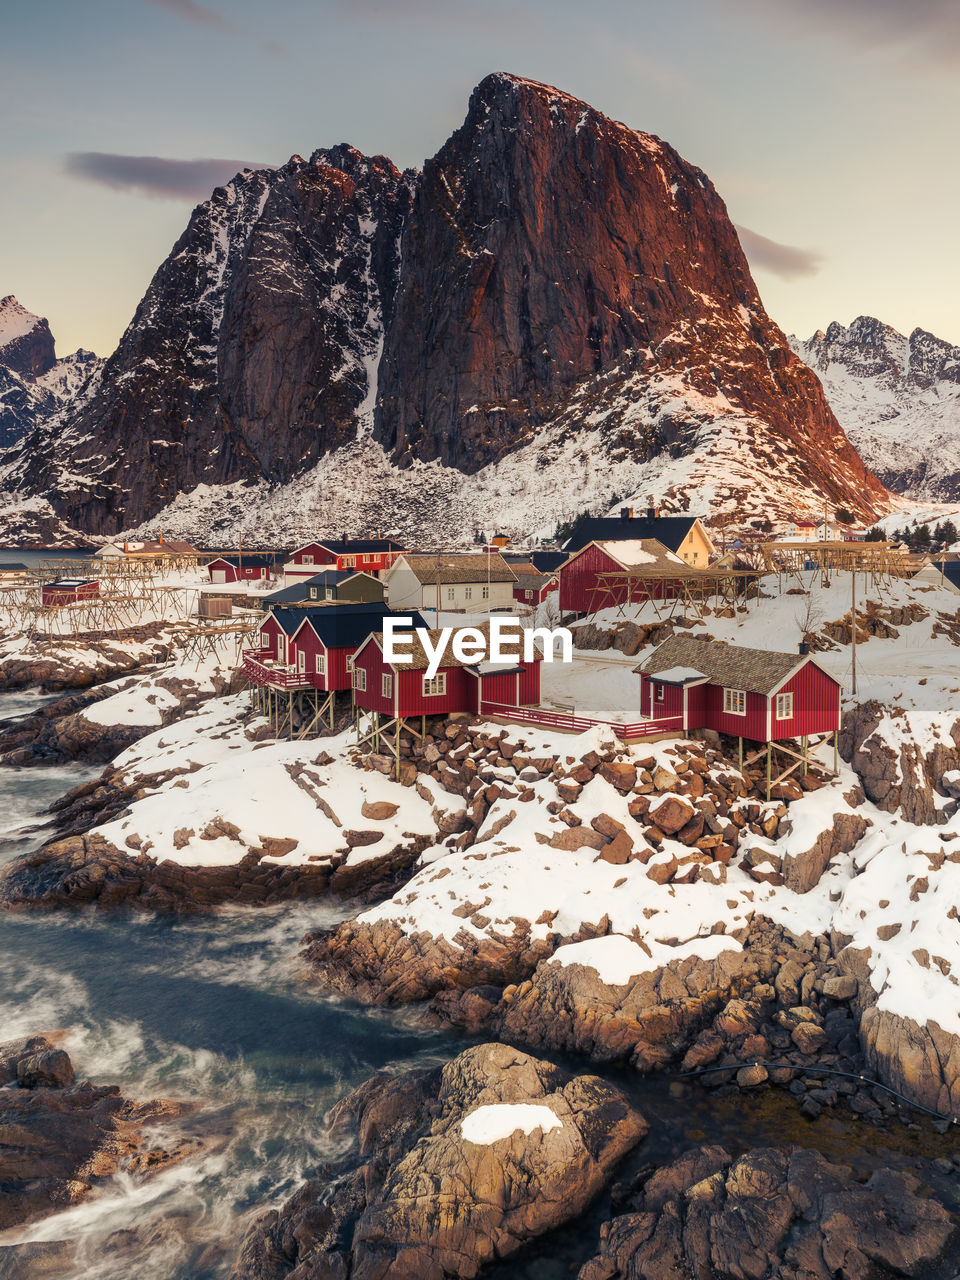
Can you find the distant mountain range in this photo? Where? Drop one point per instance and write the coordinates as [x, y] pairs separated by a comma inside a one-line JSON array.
[[898, 400], [555, 315], [34, 384]]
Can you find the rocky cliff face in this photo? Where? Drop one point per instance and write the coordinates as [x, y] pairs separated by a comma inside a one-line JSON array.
[[26, 343], [570, 317], [254, 348], [897, 398], [34, 384]]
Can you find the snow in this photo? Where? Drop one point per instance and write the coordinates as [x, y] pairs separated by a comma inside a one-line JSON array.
[[631, 551], [15, 321], [618, 959], [501, 1120], [678, 675]]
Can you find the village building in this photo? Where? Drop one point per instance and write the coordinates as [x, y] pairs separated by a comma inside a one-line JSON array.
[[239, 568], [532, 587], [336, 586], [372, 555], [800, 531], [313, 647], [400, 690], [757, 694], [68, 591], [465, 583], [684, 536], [603, 574], [159, 550]]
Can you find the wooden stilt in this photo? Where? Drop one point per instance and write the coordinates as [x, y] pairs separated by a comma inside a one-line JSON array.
[[740, 743], [768, 769], [806, 753], [396, 749], [836, 750]]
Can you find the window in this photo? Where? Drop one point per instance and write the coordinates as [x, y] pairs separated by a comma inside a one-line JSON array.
[[735, 702], [528, 595], [329, 593], [450, 593], [386, 685], [308, 559], [784, 706], [436, 687], [661, 692], [485, 593], [321, 664], [468, 593], [281, 649], [359, 678], [313, 593], [350, 662], [301, 661], [348, 561]]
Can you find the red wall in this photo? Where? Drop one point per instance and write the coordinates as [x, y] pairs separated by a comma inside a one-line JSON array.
[[51, 595], [270, 629], [579, 578], [457, 698], [672, 704], [370, 699], [816, 704], [752, 725]]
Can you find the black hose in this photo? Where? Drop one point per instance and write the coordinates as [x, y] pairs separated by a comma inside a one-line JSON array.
[[827, 1071]]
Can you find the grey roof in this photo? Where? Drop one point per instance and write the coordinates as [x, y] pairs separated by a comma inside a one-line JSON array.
[[730, 665], [460, 567], [670, 530]]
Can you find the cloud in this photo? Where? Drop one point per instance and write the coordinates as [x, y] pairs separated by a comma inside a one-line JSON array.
[[784, 260], [154, 175], [198, 14], [923, 31]]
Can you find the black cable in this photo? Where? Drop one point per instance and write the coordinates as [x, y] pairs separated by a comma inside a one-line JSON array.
[[828, 1071]]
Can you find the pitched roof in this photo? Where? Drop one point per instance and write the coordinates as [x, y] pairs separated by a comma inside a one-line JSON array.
[[333, 577], [548, 561], [341, 625], [249, 562], [640, 553], [287, 595], [164, 548], [353, 546], [730, 665], [456, 568], [670, 530]]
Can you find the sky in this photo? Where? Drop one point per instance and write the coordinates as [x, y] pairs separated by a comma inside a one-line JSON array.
[[829, 127]]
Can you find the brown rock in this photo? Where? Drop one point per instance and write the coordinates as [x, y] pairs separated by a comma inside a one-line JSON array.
[[379, 810], [671, 814]]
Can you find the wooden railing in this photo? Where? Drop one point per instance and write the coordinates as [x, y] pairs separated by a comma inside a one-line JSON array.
[[580, 724], [263, 672]]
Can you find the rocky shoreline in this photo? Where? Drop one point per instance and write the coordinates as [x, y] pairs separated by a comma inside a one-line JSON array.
[[61, 1138]]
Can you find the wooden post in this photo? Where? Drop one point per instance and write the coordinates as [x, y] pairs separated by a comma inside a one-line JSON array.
[[396, 747], [806, 752], [836, 762], [769, 752], [740, 744]]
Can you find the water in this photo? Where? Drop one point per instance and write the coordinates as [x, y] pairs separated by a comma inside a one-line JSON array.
[[34, 558], [214, 1012]]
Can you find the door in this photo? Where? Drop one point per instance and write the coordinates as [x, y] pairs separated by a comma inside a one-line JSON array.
[[301, 662], [219, 575]]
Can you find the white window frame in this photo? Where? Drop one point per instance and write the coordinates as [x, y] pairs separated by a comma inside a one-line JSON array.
[[321, 664], [348, 562], [386, 685], [451, 594], [360, 679], [735, 702], [468, 593], [313, 593], [436, 687], [784, 706], [661, 692], [308, 559], [350, 658], [485, 593], [281, 647], [301, 662]]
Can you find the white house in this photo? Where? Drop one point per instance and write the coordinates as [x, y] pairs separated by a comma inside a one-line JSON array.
[[468, 583]]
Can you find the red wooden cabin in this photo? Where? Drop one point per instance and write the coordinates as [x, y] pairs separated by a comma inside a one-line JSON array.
[[313, 648], [68, 591], [581, 589], [748, 693], [372, 555], [532, 587], [239, 569], [403, 689]]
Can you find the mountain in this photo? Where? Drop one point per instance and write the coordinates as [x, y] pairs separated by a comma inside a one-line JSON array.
[[34, 384], [556, 313], [898, 400]]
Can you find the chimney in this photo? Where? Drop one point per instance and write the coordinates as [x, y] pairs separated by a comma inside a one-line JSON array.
[[160, 540], [651, 512], [804, 648], [624, 513]]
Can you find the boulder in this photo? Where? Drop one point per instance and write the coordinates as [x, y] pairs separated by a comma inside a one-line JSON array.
[[671, 813], [458, 1168]]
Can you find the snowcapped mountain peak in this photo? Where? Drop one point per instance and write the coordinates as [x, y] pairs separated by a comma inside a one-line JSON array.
[[15, 320], [897, 398]]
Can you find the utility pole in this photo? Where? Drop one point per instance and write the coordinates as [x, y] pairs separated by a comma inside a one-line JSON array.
[[853, 626]]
